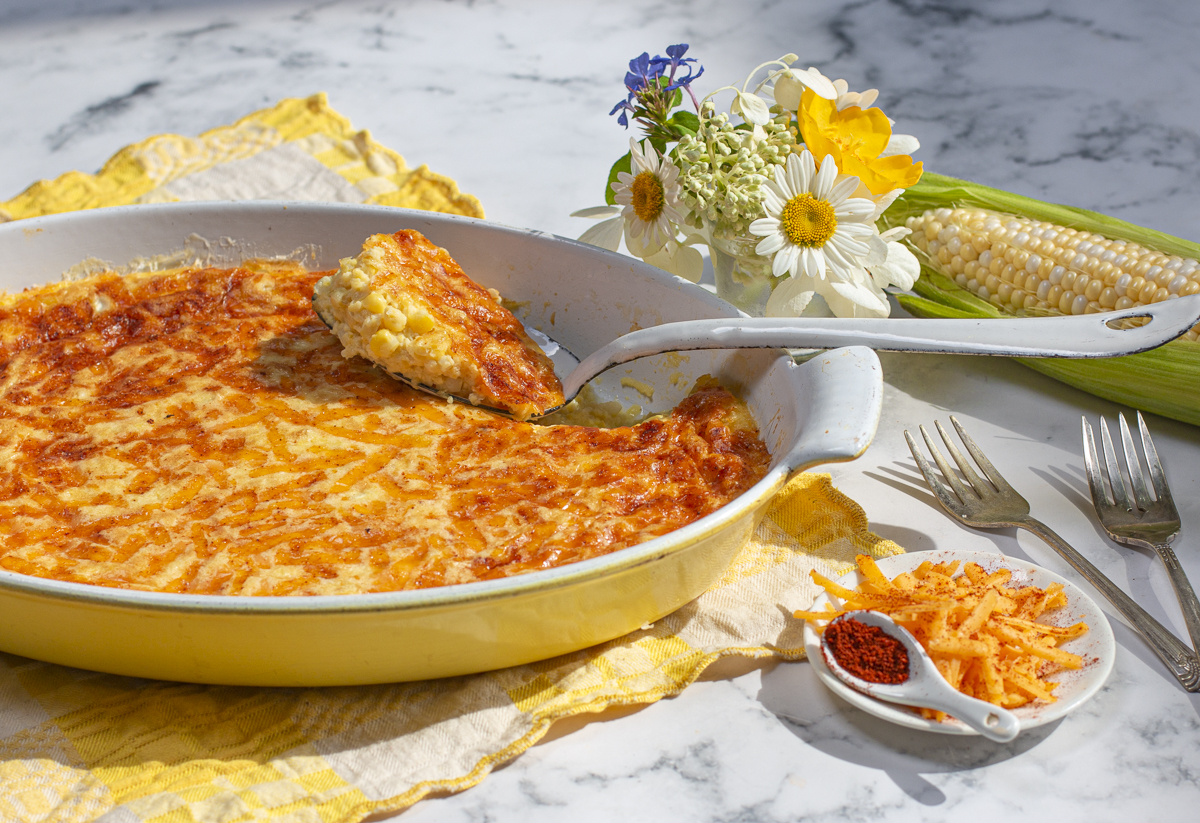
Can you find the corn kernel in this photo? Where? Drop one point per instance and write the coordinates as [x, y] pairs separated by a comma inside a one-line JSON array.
[[420, 322], [394, 320], [375, 303], [383, 343]]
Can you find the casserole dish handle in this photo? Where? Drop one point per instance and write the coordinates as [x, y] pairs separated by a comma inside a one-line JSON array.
[[842, 398]]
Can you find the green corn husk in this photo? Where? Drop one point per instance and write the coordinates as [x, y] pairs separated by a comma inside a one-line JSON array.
[[1164, 381]]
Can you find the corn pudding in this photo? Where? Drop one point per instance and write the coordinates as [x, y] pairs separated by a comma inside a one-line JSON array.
[[405, 304], [199, 431]]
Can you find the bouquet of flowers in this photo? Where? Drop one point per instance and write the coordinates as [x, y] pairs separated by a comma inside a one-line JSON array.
[[786, 198]]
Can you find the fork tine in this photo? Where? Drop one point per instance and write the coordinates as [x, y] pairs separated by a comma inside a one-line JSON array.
[[1134, 464], [1115, 478], [960, 488], [989, 470], [946, 497], [1100, 494], [1157, 477], [980, 485]]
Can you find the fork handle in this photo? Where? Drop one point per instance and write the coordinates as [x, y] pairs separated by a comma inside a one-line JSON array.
[[1181, 660], [1183, 591]]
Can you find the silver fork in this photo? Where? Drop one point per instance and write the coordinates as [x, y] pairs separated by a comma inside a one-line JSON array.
[[1140, 520], [989, 502]]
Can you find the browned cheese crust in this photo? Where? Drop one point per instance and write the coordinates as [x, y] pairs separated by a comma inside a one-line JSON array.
[[199, 431], [513, 371]]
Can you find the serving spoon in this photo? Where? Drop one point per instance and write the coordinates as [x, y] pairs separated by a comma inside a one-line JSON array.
[[925, 687], [1105, 334]]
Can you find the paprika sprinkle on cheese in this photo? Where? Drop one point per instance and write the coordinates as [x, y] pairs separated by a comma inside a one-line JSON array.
[[867, 652]]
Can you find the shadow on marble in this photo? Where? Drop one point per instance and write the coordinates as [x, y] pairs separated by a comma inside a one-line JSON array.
[[1132, 643], [911, 540], [909, 482], [727, 668], [811, 712], [1074, 489], [1007, 545], [956, 383]]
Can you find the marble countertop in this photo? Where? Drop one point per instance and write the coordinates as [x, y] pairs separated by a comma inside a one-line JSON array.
[[1087, 102]]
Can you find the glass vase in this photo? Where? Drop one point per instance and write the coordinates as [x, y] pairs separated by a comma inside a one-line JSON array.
[[741, 276]]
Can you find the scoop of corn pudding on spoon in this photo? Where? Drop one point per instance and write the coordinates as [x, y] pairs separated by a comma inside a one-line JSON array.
[[405, 305]]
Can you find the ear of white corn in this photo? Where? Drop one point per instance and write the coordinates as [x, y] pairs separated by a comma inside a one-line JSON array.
[[1021, 265], [989, 253]]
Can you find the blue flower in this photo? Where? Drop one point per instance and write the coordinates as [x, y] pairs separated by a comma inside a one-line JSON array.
[[676, 53], [641, 70], [650, 98]]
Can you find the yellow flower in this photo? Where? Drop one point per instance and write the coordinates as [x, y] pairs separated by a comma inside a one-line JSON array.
[[855, 138]]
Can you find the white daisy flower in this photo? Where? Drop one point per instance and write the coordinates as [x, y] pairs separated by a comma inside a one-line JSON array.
[[680, 259], [606, 234], [813, 226], [889, 263], [899, 266], [650, 195]]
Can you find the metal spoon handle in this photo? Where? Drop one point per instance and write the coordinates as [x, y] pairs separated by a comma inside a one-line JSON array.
[[1080, 336]]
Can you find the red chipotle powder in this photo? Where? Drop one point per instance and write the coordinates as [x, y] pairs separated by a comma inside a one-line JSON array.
[[867, 652]]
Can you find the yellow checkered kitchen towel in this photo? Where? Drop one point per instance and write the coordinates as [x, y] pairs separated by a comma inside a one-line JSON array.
[[300, 149], [78, 745]]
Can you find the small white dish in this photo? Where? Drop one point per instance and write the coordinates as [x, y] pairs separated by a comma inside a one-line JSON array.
[[1097, 647]]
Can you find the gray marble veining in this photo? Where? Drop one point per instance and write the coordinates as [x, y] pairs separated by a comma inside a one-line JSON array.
[[1087, 102]]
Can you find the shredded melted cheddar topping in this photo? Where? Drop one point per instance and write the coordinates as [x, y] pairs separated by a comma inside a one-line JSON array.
[[198, 431]]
